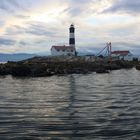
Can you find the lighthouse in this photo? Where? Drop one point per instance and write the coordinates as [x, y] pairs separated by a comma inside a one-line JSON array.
[[64, 50], [72, 35]]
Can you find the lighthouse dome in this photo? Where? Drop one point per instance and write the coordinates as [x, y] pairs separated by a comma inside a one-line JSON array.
[[72, 25]]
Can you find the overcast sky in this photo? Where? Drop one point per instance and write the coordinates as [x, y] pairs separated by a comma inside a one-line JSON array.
[[33, 26]]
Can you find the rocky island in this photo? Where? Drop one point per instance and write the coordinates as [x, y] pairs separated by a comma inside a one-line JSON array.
[[48, 66]]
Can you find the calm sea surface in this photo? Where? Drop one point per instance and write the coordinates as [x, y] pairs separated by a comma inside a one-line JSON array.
[[73, 107]]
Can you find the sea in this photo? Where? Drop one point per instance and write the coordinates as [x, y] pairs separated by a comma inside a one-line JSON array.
[[71, 107]]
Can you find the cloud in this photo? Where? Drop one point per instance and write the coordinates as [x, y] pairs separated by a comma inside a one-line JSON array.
[[9, 5], [6, 42], [39, 30], [38, 24], [78, 8], [124, 6], [2, 23], [22, 16], [15, 6]]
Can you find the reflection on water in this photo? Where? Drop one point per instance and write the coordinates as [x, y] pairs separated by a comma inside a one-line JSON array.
[[73, 107]]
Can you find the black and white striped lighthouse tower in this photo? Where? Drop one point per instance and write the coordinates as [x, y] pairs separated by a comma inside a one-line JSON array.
[[72, 35]]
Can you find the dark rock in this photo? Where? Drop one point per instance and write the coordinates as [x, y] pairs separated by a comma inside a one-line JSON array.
[[21, 70], [43, 66], [138, 67], [3, 70], [102, 71]]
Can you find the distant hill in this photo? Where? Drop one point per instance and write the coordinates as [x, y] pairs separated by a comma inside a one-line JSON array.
[[15, 57]]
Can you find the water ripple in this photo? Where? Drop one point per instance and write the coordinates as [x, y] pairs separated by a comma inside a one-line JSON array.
[[73, 107]]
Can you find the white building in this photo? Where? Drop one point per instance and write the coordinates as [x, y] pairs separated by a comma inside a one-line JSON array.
[[122, 55], [63, 50]]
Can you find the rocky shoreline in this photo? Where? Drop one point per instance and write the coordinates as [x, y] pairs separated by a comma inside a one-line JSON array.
[[47, 66]]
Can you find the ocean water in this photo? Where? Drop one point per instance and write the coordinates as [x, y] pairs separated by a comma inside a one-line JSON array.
[[72, 107]]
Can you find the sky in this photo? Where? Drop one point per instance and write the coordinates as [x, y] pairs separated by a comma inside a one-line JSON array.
[[33, 26]]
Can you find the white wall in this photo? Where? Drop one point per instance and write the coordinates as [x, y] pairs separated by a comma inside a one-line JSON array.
[[60, 53], [129, 57]]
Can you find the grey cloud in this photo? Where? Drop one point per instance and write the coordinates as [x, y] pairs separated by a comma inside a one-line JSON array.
[[39, 32], [22, 16], [37, 29], [126, 45], [14, 3], [78, 7], [4, 5], [23, 43], [126, 6], [7, 42], [73, 11], [1, 23], [12, 6], [15, 30], [8, 5]]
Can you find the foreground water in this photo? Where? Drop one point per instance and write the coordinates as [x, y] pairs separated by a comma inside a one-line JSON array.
[[73, 107]]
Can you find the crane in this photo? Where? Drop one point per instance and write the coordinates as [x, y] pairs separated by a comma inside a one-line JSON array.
[[107, 51]]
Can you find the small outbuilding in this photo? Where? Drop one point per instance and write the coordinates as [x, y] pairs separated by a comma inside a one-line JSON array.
[[63, 50], [122, 55]]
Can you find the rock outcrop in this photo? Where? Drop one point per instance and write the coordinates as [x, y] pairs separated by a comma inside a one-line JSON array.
[[48, 66]]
